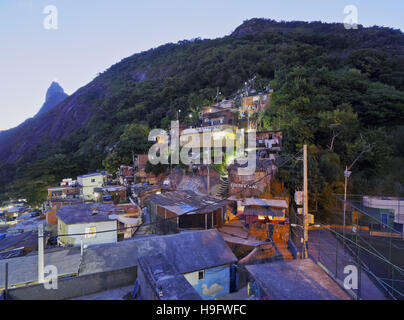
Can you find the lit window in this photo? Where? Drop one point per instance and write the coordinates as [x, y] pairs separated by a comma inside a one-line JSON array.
[[90, 232]]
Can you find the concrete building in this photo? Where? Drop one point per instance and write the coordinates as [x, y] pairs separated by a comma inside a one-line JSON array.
[[253, 104], [255, 210], [388, 210], [88, 182], [116, 193], [202, 257], [125, 175], [242, 186], [190, 265], [218, 117], [175, 210], [216, 136], [86, 220], [141, 192], [63, 192], [158, 280]]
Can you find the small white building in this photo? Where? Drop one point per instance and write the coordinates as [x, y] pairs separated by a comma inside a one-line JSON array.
[[88, 182], [87, 223], [392, 204]]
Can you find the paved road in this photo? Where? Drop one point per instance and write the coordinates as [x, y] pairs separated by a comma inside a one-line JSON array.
[[323, 247]]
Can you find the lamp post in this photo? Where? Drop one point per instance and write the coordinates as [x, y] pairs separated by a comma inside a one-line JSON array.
[[346, 175]]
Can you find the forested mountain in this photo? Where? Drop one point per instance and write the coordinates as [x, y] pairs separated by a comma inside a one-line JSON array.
[[328, 82]]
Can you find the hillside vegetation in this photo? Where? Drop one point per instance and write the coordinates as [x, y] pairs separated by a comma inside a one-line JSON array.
[[340, 91]]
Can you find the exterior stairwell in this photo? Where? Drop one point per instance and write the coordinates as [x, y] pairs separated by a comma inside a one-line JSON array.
[[143, 230], [224, 187], [284, 253], [280, 235]]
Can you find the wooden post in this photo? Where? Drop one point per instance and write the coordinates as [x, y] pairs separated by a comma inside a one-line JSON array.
[[206, 221], [305, 204]]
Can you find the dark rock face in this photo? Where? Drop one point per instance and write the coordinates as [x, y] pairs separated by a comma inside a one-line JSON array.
[[49, 126], [54, 95]]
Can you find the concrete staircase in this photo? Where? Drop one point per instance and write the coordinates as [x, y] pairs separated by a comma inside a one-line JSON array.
[[223, 187], [284, 253], [143, 230]]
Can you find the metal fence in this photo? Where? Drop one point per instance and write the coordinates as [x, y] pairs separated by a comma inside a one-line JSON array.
[[369, 245]]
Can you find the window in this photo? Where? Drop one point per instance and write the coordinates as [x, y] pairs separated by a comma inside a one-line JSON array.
[[201, 275], [90, 232], [92, 180]]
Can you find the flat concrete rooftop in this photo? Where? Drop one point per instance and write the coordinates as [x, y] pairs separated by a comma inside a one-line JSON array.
[[296, 280]]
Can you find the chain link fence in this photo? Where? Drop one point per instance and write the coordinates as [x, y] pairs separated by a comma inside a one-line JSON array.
[[370, 246]]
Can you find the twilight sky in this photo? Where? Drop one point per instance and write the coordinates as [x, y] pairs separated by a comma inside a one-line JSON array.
[[93, 35]]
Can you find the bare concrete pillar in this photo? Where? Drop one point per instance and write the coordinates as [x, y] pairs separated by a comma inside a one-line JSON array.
[[212, 221], [40, 254]]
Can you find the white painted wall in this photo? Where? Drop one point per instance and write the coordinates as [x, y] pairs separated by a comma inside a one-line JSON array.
[[395, 204], [106, 237]]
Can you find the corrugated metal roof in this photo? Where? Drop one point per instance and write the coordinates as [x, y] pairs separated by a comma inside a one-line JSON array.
[[277, 203], [25, 239], [178, 202], [263, 211]]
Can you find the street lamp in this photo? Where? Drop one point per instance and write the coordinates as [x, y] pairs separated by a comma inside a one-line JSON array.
[[346, 175], [178, 114]]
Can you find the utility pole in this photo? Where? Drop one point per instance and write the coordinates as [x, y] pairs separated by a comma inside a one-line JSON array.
[[305, 205], [40, 254]]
